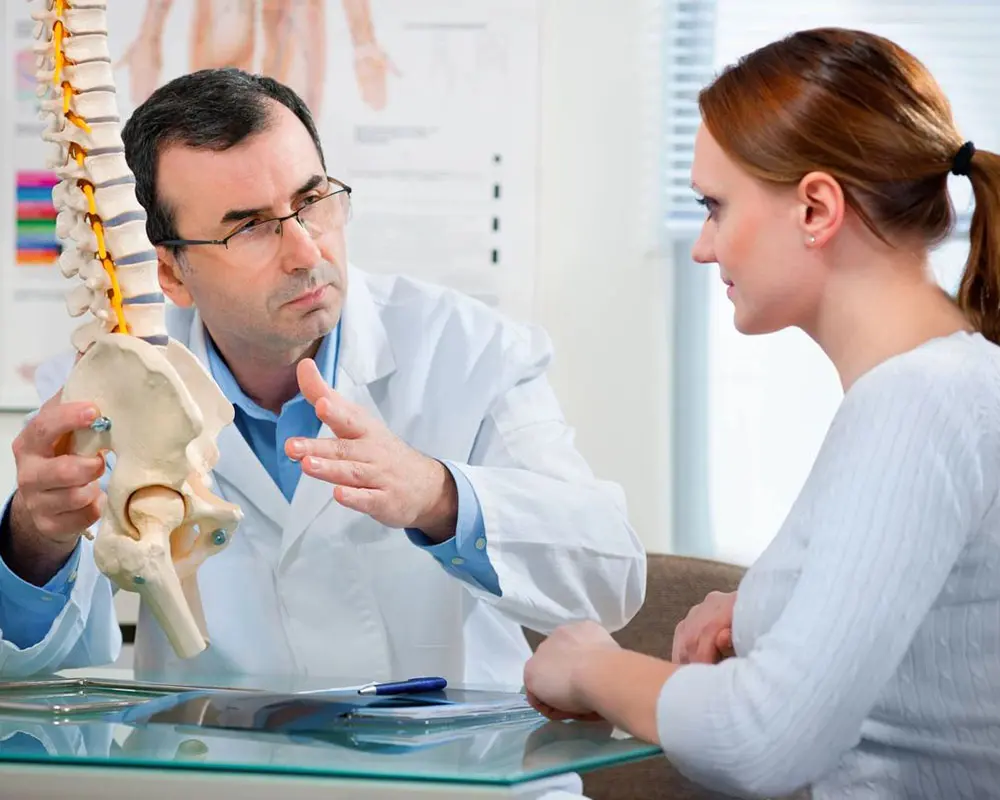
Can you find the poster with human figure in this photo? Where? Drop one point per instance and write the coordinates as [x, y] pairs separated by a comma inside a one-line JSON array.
[[426, 108], [285, 39]]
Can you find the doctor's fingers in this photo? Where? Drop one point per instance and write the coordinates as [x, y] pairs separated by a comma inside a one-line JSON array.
[[68, 500], [367, 501], [69, 526], [38, 474], [346, 419], [332, 449], [55, 420], [343, 473], [311, 381], [70, 523]]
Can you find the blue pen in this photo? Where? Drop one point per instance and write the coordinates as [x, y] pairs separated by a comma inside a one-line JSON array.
[[411, 686]]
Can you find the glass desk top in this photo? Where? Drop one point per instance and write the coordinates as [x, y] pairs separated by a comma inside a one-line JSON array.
[[509, 753]]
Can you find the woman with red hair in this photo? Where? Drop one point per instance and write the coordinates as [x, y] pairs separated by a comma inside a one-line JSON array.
[[866, 639]]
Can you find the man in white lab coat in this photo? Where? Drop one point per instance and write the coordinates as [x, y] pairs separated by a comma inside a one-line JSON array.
[[449, 507]]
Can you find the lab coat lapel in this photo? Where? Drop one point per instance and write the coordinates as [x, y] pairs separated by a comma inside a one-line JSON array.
[[365, 357], [238, 464]]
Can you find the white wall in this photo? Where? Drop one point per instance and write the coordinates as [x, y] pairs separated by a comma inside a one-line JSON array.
[[599, 292]]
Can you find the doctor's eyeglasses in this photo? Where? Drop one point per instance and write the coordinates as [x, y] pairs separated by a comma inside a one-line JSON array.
[[322, 212]]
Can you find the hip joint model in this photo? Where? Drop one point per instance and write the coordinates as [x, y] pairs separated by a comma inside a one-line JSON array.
[[161, 412]]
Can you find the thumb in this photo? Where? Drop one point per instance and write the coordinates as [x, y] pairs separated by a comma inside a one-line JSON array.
[[724, 640], [310, 381]]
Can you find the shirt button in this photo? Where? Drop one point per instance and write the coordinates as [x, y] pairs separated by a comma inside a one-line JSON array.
[[480, 543], [457, 561], [72, 575]]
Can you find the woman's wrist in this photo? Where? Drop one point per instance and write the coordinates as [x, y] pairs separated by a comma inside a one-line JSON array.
[[624, 688], [589, 676]]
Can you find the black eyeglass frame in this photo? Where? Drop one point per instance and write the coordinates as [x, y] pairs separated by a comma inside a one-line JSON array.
[[343, 187]]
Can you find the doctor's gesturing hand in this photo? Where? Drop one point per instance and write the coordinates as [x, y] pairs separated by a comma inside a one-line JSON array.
[[371, 469]]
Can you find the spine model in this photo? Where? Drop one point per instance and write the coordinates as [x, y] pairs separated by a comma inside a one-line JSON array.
[[99, 220], [161, 410]]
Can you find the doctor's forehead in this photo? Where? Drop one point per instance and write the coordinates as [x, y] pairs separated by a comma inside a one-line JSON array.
[[265, 170]]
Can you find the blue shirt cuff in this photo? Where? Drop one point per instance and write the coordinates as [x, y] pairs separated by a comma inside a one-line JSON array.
[[465, 555], [28, 611]]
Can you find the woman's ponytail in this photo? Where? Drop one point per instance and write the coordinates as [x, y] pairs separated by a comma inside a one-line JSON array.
[[979, 292]]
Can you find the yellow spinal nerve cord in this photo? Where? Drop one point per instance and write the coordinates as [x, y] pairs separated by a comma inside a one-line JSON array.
[[79, 154]]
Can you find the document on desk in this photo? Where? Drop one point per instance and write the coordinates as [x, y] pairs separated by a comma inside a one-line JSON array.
[[456, 705], [318, 713]]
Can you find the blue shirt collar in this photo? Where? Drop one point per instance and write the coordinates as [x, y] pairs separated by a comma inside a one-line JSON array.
[[326, 362]]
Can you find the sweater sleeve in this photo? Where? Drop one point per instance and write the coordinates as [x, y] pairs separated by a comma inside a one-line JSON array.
[[901, 483]]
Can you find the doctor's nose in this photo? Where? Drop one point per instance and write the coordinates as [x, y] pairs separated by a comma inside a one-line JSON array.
[[299, 250]]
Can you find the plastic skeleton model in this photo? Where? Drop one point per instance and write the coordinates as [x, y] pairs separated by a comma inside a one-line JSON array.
[[161, 410]]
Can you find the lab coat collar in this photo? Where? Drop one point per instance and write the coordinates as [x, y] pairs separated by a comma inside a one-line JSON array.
[[365, 353], [237, 462]]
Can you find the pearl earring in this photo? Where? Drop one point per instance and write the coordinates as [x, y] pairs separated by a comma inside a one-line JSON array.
[[812, 240]]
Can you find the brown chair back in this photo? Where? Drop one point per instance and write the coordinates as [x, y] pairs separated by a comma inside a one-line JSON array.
[[673, 585]]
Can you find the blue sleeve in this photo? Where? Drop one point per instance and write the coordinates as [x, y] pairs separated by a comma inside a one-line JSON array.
[[465, 555], [27, 611]]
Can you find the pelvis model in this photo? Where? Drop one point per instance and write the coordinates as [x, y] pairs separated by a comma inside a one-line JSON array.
[[161, 412]]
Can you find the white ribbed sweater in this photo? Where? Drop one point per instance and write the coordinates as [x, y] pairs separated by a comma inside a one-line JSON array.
[[868, 633]]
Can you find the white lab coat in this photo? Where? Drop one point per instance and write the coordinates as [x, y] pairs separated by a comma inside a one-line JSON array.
[[313, 588]]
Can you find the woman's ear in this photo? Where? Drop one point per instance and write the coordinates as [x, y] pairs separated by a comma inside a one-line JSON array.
[[171, 275], [821, 207]]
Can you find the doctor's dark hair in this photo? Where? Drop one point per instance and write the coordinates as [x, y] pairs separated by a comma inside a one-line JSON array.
[[863, 110], [213, 109]]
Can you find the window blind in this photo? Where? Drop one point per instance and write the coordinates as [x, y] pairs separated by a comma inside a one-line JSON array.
[[750, 413], [955, 39], [689, 49]]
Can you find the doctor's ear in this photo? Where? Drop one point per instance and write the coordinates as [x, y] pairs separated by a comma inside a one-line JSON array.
[[171, 270], [821, 207]]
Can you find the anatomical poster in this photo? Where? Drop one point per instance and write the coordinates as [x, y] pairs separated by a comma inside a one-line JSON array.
[[427, 109]]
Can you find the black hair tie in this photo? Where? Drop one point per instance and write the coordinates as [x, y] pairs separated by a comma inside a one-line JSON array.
[[962, 163]]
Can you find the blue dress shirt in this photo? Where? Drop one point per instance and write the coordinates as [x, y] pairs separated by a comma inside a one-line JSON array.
[[27, 611], [266, 431]]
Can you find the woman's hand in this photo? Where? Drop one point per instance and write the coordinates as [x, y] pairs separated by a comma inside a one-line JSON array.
[[552, 674], [705, 635]]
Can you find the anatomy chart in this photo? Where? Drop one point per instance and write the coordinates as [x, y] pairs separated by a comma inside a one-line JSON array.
[[427, 108]]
